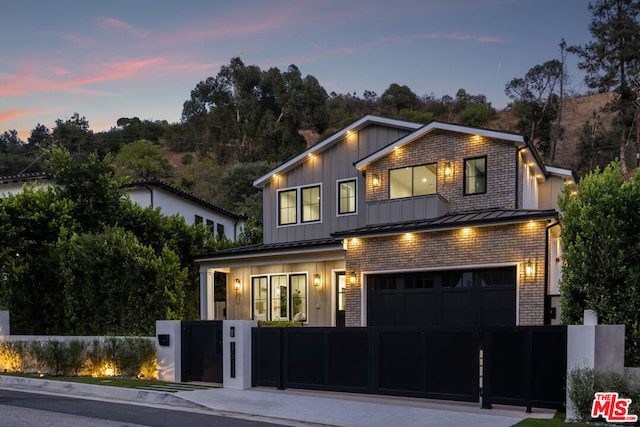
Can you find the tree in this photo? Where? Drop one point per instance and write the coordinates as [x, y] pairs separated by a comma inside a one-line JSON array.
[[142, 158], [40, 136], [73, 133], [397, 98], [601, 251], [611, 60], [536, 101]]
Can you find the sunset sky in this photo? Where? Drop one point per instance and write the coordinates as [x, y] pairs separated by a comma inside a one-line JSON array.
[[107, 60]]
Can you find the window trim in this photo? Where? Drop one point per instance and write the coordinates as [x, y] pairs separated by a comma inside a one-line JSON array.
[[269, 302], [465, 191], [338, 182], [412, 180]]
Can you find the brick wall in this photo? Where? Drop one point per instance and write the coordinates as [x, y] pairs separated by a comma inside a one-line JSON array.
[[446, 146], [506, 244]]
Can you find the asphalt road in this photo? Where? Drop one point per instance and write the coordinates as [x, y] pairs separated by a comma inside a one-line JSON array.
[[19, 409]]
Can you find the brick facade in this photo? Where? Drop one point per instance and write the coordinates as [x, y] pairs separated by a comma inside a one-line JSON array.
[[444, 146], [512, 244]]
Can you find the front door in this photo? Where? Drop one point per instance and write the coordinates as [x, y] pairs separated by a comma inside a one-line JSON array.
[[341, 287]]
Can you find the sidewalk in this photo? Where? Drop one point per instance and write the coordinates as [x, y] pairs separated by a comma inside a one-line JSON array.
[[297, 407]]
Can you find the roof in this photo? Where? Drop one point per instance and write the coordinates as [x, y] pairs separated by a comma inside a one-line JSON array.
[[26, 177], [453, 220], [333, 139], [517, 139], [153, 182], [274, 249]]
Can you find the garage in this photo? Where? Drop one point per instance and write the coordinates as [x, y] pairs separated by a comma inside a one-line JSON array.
[[470, 297]]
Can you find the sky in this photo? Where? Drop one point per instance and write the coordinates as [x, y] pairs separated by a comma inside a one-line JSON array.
[[141, 58]]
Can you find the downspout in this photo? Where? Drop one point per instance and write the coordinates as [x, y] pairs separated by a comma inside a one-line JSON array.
[[235, 228], [547, 300], [150, 192]]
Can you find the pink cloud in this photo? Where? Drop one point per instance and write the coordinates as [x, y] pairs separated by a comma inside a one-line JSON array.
[[12, 114], [106, 22]]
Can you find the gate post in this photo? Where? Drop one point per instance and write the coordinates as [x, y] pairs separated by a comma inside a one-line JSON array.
[[236, 339], [169, 350], [4, 324]]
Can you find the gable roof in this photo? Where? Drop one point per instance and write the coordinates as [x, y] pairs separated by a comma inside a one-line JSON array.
[[332, 140], [519, 140], [153, 182], [24, 177]]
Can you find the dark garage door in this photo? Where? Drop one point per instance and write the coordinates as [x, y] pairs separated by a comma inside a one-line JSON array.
[[479, 297]]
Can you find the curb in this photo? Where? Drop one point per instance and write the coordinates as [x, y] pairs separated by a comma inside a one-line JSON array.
[[96, 391]]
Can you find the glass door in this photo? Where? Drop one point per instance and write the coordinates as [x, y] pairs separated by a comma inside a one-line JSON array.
[[341, 288]]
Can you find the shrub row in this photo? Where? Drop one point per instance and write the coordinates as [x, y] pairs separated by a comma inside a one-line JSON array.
[[121, 356], [585, 382]]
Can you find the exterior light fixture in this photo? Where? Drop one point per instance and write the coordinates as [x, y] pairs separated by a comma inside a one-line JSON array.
[[448, 170], [317, 281], [375, 180], [237, 285], [529, 268], [352, 278]]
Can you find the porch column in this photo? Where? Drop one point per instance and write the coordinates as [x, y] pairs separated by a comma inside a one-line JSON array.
[[207, 300]]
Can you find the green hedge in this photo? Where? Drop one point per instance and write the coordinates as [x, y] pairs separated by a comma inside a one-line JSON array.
[[278, 324], [133, 357]]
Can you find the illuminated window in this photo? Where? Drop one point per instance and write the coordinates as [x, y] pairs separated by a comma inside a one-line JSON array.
[[412, 181], [346, 197], [279, 297], [287, 207], [475, 175], [311, 204]]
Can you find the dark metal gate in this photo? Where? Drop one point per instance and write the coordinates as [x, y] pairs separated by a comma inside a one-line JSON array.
[[523, 366], [202, 350]]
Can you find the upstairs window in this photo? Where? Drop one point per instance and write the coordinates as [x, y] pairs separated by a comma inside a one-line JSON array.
[[311, 204], [475, 175], [299, 205], [220, 229], [346, 197], [287, 207], [413, 181]]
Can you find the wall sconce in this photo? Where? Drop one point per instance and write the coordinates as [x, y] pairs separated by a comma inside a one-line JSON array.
[[352, 278], [448, 170], [317, 281], [237, 285], [529, 268], [375, 180]]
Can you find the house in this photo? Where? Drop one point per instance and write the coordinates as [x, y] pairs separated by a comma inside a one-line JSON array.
[[389, 222], [173, 201], [151, 193]]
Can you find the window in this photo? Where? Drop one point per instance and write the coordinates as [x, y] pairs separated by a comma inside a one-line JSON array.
[[300, 202], [475, 175], [198, 219], [311, 204], [287, 207], [210, 225], [279, 297], [346, 197], [412, 181], [220, 230]]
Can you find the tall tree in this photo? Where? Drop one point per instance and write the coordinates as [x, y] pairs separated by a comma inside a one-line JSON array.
[[611, 60], [536, 101]]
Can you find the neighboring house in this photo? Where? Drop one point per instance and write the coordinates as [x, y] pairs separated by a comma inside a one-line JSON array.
[[156, 194], [195, 210], [389, 222]]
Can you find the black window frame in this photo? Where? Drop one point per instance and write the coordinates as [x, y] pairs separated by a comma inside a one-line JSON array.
[[465, 190], [355, 196], [413, 190]]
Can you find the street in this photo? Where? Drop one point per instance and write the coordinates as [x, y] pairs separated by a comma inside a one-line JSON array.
[[20, 409]]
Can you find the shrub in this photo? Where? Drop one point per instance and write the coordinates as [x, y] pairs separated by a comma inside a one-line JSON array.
[[12, 354], [585, 382], [35, 355], [95, 357], [76, 355], [278, 324]]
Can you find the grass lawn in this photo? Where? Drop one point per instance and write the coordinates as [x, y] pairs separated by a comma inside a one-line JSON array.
[[147, 384], [556, 421]]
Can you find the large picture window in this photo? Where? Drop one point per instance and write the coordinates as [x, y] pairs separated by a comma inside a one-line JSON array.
[[279, 297], [346, 197], [413, 181], [287, 207], [475, 175], [311, 204]]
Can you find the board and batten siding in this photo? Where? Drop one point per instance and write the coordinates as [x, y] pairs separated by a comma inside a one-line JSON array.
[[326, 169]]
